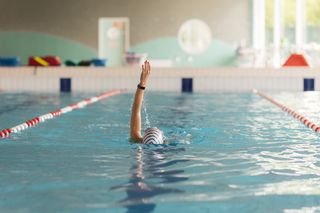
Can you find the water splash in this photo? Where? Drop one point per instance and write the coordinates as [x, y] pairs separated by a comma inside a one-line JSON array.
[[147, 120]]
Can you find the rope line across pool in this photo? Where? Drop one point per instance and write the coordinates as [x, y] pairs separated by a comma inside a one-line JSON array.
[[33, 122], [291, 112]]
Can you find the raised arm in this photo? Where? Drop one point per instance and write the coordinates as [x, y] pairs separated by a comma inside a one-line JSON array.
[[135, 122]]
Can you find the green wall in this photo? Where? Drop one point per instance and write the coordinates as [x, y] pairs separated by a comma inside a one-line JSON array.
[[218, 54], [25, 44], [69, 28]]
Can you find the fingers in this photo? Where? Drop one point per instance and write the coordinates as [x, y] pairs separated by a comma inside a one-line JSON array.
[[145, 73], [147, 66]]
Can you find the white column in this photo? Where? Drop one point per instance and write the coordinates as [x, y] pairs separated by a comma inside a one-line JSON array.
[[277, 31], [259, 24], [259, 32], [300, 24]]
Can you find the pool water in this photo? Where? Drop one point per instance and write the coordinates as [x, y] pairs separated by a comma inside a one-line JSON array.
[[228, 152]]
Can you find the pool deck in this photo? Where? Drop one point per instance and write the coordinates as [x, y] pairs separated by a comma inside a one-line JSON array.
[[97, 79]]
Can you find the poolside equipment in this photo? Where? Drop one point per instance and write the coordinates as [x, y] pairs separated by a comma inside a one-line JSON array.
[[33, 122], [70, 63], [296, 60], [133, 58], [98, 62], [85, 63], [9, 61], [44, 61], [291, 112]]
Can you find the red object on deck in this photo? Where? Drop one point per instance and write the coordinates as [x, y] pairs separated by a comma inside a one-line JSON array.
[[53, 60], [44, 61], [296, 60]]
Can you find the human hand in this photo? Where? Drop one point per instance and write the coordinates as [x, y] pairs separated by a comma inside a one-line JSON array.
[[145, 73]]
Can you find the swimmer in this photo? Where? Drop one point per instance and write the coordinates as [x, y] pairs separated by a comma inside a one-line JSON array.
[[151, 135]]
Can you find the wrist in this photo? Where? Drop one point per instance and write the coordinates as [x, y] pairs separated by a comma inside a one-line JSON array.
[[143, 84], [142, 87]]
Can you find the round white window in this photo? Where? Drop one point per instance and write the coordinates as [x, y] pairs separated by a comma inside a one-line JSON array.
[[194, 36]]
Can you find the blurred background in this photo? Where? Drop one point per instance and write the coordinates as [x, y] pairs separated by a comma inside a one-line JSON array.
[[193, 33]]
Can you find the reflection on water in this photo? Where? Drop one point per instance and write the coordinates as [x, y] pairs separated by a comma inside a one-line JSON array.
[[304, 209], [179, 130], [148, 174]]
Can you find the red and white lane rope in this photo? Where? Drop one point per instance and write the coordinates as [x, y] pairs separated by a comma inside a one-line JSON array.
[[291, 112], [33, 122]]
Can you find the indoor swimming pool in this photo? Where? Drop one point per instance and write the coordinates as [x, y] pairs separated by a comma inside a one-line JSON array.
[[228, 152]]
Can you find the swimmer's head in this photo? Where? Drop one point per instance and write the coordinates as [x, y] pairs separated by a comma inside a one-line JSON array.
[[153, 135]]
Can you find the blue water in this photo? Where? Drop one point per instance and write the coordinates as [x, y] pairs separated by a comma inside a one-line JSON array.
[[228, 153]]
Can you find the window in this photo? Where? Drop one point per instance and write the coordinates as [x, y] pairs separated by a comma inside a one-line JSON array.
[[287, 26], [269, 21], [313, 21], [289, 21]]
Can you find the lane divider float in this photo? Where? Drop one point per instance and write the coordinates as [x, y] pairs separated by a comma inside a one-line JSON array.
[[291, 112], [40, 119]]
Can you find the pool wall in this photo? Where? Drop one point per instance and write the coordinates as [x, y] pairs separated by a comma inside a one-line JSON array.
[[91, 79]]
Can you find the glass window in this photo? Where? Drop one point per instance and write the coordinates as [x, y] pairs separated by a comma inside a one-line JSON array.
[[278, 49], [289, 21], [269, 21], [313, 20]]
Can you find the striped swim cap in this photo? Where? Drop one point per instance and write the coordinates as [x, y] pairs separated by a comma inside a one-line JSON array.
[[153, 135]]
